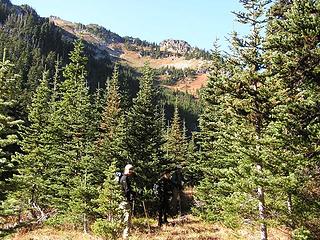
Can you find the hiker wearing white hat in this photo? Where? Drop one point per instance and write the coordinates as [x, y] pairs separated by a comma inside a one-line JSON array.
[[129, 194]]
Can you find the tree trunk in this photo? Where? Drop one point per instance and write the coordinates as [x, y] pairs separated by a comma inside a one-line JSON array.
[[263, 226], [289, 205], [85, 227]]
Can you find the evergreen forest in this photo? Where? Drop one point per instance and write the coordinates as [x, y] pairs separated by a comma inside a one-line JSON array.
[[249, 146]]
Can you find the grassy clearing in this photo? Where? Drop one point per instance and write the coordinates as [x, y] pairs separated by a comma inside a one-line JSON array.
[[185, 228]]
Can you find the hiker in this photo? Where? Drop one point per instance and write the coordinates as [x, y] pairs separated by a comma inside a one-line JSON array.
[[177, 181], [129, 194], [164, 194]]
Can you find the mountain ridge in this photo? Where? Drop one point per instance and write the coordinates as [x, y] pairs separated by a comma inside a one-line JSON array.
[[170, 53]]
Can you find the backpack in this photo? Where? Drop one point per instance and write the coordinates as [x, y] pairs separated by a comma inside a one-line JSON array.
[[155, 189], [118, 176]]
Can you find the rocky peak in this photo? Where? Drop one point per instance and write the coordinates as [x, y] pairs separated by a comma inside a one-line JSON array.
[[175, 46]]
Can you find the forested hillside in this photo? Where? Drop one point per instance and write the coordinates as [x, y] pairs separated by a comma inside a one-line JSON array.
[[35, 44], [69, 121]]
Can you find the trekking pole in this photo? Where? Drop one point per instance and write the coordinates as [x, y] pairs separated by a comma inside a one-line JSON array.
[[146, 213], [132, 209], [180, 209]]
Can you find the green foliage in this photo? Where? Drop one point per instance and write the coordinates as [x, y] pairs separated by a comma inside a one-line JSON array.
[[8, 123], [259, 121], [232, 125], [110, 196], [190, 107], [175, 147], [301, 234], [172, 75], [259, 128], [144, 131], [60, 220], [75, 132], [294, 57], [111, 146], [107, 229], [70, 147], [198, 53], [34, 178], [109, 224], [81, 205]]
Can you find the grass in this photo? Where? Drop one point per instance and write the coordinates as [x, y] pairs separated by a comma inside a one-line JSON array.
[[185, 228]]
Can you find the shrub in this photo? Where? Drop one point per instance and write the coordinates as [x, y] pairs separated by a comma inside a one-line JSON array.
[[107, 229], [301, 234]]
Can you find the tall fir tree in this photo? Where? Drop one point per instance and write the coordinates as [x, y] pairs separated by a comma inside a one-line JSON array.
[[145, 138], [236, 117], [293, 54], [176, 143], [9, 83], [111, 143], [73, 129], [34, 162], [213, 122]]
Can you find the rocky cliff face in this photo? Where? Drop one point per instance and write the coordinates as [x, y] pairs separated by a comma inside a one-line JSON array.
[[175, 46]]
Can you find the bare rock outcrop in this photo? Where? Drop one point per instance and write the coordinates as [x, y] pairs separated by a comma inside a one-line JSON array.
[[175, 46]]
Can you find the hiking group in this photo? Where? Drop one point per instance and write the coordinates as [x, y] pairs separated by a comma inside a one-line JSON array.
[[168, 189]]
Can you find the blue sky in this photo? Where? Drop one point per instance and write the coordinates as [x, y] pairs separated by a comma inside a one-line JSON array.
[[199, 22]]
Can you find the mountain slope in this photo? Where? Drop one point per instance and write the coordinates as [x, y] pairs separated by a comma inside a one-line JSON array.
[[135, 52]]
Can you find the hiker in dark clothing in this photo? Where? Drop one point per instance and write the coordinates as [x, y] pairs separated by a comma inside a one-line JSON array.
[[129, 194], [177, 181], [164, 194]]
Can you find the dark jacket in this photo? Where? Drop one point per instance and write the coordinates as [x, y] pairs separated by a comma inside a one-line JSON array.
[[125, 182], [165, 189], [177, 179]]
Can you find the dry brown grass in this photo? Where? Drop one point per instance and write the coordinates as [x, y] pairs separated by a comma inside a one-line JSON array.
[[185, 228], [133, 59], [192, 228], [47, 233], [191, 86]]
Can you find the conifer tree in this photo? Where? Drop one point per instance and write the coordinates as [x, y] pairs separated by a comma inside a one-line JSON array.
[[176, 144], [34, 163], [213, 122], [8, 124], [193, 173], [236, 117], [73, 130], [111, 144], [98, 102], [145, 136], [109, 224], [112, 110], [293, 53]]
